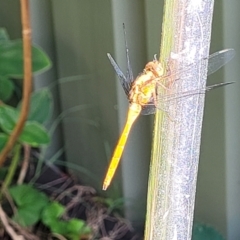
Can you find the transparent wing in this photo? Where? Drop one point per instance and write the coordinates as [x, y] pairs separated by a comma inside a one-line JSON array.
[[215, 62], [219, 59], [170, 97]]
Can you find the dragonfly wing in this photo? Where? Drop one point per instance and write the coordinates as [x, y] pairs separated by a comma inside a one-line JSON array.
[[170, 97], [219, 59], [129, 68], [124, 82], [215, 62]]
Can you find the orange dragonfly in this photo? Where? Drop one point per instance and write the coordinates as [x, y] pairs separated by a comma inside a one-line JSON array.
[[142, 95]]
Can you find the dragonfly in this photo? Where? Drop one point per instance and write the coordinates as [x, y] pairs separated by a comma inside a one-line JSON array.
[[142, 95]]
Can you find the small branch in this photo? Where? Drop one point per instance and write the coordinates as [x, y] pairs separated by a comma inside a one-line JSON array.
[[10, 201], [8, 228], [27, 235], [58, 236], [27, 83], [24, 164]]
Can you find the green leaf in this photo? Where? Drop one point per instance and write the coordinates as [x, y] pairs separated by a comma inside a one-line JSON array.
[[20, 192], [26, 216], [3, 35], [75, 228], [58, 226], [71, 229], [6, 88], [3, 140], [41, 106], [78, 227], [30, 204], [8, 118], [11, 59], [50, 216], [52, 212], [34, 134]]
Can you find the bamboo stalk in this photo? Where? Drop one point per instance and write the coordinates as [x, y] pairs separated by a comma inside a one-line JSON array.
[[173, 173], [27, 83]]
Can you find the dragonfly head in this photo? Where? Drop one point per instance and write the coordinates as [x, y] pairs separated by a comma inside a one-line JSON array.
[[155, 67]]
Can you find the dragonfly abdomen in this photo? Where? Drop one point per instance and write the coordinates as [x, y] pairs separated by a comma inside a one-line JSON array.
[[133, 113]]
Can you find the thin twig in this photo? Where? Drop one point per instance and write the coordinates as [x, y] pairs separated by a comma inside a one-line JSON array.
[[58, 236], [8, 196], [24, 164], [8, 228], [24, 231], [27, 83]]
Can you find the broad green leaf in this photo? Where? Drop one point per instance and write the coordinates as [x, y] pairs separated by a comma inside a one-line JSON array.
[[71, 229], [50, 217], [19, 193], [77, 226], [27, 216], [8, 118], [30, 203], [34, 134], [11, 59], [6, 89], [52, 212], [3, 35], [3, 140], [40, 106], [58, 226]]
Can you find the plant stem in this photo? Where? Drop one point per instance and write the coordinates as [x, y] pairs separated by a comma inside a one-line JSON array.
[[176, 147], [12, 168], [27, 83]]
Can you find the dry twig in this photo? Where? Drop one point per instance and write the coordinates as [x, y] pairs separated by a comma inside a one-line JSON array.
[[25, 164], [8, 227]]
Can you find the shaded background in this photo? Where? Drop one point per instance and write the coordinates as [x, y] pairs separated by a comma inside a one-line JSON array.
[[77, 34]]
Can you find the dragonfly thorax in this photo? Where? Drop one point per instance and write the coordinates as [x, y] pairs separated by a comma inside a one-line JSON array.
[[143, 88], [142, 92]]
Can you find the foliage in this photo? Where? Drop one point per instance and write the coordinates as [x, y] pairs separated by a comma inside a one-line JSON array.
[[11, 58], [34, 206], [30, 204], [71, 229]]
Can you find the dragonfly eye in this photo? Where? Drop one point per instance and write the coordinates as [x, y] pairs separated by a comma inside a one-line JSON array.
[[149, 66], [155, 67]]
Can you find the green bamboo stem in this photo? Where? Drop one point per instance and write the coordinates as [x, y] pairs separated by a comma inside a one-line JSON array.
[[172, 182]]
